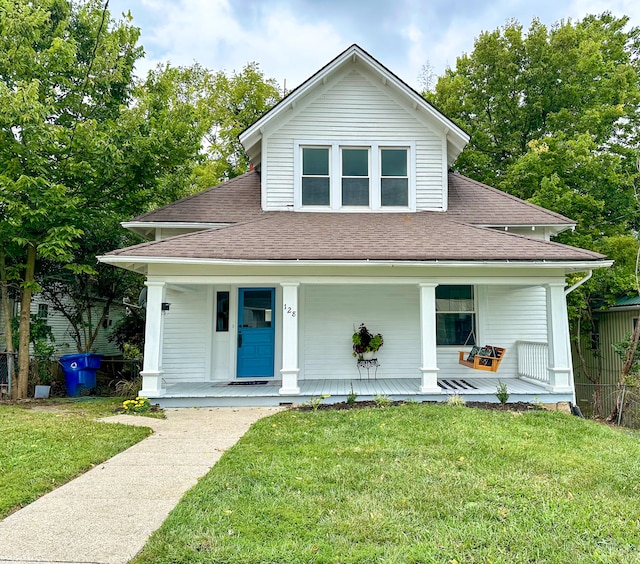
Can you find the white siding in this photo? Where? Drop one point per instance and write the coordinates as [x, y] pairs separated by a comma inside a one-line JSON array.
[[187, 335], [63, 333], [355, 107], [330, 314]]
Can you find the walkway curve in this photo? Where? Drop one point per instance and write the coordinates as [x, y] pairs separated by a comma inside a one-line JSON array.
[[106, 515]]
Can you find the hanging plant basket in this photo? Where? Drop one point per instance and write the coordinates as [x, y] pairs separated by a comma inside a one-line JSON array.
[[365, 343]]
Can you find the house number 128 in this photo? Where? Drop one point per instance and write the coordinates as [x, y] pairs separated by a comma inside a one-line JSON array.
[[288, 310]]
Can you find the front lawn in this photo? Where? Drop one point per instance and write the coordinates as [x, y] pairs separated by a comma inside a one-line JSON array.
[[414, 483], [46, 444]]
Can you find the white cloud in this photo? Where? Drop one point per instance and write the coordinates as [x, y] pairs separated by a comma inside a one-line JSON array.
[[209, 32], [292, 40]]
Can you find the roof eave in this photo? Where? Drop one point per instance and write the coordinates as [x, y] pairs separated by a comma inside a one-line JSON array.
[[568, 265]]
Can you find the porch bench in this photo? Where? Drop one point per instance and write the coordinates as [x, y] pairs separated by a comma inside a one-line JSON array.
[[483, 362]]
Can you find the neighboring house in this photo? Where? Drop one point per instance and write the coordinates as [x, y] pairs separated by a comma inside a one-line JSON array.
[[352, 216], [597, 358], [61, 329]]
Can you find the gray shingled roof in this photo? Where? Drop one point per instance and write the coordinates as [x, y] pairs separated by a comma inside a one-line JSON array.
[[477, 203], [456, 235], [469, 201], [422, 236], [230, 202]]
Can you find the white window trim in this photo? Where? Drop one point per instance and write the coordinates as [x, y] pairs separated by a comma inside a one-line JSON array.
[[335, 181], [474, 312]]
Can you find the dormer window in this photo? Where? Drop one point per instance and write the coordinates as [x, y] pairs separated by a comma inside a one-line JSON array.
[[394, 177], [355, 177], [315, 176], [343, 176]]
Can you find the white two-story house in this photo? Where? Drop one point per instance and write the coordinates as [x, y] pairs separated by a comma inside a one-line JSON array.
[[351, 215]]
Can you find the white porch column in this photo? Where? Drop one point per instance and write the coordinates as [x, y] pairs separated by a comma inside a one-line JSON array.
[[429, 368], [290, 368], [153, 336], [560, 371]]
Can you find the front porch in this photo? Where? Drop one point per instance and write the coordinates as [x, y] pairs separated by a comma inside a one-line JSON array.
[[216, 394]]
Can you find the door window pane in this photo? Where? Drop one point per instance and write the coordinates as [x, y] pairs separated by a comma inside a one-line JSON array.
[[257, 310], [222, 311]]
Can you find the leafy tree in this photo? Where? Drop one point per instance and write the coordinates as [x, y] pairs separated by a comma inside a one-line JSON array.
[[514, 88], [235, 102], [81, 145], [553, 118], [553, 115], [64, 71]]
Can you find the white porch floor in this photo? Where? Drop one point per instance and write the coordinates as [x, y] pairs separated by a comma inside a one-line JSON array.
[[185, 394]]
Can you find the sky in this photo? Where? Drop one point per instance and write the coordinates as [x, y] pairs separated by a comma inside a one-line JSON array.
[[292, 39]]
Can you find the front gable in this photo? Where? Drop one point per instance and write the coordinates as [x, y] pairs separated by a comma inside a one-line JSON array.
[[354, 108]]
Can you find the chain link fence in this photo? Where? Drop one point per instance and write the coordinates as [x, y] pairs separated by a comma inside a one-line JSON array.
[[619, 404], [6, 367]]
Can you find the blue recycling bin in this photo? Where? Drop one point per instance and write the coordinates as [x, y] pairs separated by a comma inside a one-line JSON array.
[[80, 371]]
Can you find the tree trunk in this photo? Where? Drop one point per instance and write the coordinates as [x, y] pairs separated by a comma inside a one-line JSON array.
[[8, 333], [22, 385]]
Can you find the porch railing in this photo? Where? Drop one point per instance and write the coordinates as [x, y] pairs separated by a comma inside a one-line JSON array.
[[533, 360]]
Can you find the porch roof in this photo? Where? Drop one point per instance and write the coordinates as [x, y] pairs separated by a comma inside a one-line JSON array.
[[421, 236]]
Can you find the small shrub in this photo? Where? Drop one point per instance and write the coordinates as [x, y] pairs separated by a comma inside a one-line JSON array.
[[137, 405], [456, 400], [351, 398], [314, 403], [129, 388], [382, 400], [502, 393]]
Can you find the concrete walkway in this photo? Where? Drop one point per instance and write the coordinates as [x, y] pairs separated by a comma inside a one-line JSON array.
[[106, 515]]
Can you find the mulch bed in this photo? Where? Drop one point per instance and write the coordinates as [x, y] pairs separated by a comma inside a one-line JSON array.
[[515, 406]]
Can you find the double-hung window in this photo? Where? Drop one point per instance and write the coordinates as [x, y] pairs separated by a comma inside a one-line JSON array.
[[315, 176], [344, 175], [394, 177], [455, 315], [355, 177]]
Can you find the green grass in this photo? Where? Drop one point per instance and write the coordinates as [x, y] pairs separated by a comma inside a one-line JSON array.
[[414, 483], [42, 449]]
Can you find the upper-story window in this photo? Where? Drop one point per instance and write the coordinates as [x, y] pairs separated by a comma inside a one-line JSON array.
[[394, 177], [355, 177], [315, 176]]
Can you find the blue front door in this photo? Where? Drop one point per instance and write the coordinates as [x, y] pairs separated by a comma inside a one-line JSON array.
[[256, 332]]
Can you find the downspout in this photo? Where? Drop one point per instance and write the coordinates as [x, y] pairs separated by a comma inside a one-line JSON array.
[[579, 283], [575, 409]]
